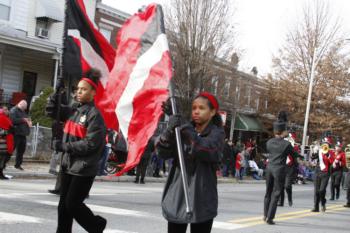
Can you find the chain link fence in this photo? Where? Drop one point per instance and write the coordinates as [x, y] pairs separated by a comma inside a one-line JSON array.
[[39, 143]]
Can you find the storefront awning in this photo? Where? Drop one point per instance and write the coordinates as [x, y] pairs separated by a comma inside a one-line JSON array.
[[48, 9], [248, 123]]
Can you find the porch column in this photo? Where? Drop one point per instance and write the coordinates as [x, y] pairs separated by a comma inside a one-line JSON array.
[[56, 58]]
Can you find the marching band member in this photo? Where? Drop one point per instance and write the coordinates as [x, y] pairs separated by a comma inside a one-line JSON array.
[[324, 160], [278, 150], [291, 165], [337, 171]]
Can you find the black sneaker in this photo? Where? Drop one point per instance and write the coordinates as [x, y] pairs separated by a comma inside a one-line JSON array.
[[2, 177], [315, 210], [290, 203], [19, 168], [142, 182], [347, 205], [270, 222], [54, 191], [323, 208]]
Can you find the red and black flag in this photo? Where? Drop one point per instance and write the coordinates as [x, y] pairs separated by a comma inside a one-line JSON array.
[[84, 45]]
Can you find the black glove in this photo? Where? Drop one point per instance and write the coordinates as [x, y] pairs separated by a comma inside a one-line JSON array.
[[168, 134], [174, 121], [51, 106], [166, 107], [59, 146]]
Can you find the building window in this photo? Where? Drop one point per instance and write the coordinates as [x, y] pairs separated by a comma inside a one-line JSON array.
[[5, 9], [227, 88], [42, 28], [238, 92], [106, 33], [214, 85]]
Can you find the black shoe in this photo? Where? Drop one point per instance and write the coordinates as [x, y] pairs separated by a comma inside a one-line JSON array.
[[142, 182], [270, 222], [101, 223], [315, 210], [323, 208], [280, 204], [347, 205], [290, 203], [136, 181], [54, 191], [2, 177], [331, 199], [337, 196], [19, 168], [264, 218]]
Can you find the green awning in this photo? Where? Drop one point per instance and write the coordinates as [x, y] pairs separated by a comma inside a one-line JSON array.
[[248, 123]]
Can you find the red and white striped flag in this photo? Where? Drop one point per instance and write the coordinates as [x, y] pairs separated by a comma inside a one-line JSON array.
[[139, 80]]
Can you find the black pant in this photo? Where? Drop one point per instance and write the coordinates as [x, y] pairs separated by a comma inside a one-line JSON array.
[[290, 175], [336, 177], [141, 169], [203, 227], [320, 186], [74, 190], [274, 182], [20, 145]]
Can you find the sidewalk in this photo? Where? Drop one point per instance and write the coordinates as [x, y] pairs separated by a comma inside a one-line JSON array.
[[40, 170]]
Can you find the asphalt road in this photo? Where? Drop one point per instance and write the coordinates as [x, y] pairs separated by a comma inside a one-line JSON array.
[[26, 207]]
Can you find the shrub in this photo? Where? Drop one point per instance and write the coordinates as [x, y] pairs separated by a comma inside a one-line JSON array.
[[37, 111]]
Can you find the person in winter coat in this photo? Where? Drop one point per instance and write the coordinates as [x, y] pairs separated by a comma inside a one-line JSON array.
[[239, 167], [22, 125], [278, 150], [203, 142], [6, 140], [142, 166], [82, 146]]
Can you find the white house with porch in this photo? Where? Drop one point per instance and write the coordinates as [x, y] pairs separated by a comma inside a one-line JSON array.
[[30, 45]]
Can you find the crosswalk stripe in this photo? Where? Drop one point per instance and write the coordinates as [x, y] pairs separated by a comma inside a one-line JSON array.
[[117, 231], [227, 225], [8, 218], [108, 210]]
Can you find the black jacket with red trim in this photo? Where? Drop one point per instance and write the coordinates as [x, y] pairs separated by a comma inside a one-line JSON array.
[[202, 154], [83, 139]]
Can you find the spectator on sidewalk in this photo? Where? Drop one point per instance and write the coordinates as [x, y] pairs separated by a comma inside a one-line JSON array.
[[257, 173], [239, 167], [142, 166], [106, 152], [6, 140], [22, 125]]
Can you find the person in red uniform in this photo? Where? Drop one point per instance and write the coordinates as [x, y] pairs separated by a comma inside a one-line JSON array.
[[291, 165], [6, 140], [323, 160], [337, 171]]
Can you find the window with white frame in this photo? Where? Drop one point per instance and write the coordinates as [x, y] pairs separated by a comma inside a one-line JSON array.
[[5, 10], [106, 33], [238, 91], [214, 85], [227, 88]]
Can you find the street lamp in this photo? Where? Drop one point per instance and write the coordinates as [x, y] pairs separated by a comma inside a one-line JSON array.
[[306, 121]]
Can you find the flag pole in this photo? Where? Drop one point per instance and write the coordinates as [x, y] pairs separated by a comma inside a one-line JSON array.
[[180, 152]]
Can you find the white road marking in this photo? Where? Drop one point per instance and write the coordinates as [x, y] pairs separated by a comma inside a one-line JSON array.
[[7, 218], [109, 210], [227, 225], [117, 231]]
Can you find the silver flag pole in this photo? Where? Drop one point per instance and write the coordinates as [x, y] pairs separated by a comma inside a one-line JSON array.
[[180, 152]]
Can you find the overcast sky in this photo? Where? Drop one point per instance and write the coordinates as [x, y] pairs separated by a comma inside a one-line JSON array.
[[261, 25]]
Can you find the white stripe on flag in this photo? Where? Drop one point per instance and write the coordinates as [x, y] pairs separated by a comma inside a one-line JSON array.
[[138, 76], [90, 55]]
